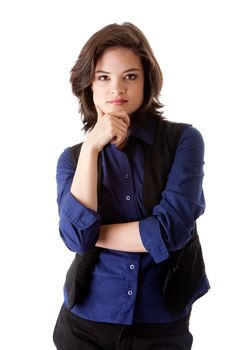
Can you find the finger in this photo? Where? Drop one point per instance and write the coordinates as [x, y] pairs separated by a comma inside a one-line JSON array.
[[122, 115], [120, 136], [122, 127], [100, 113], [118, 126], [118, 140]]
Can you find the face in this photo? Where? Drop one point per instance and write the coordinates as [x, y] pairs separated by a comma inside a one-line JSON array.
[[118, 81]]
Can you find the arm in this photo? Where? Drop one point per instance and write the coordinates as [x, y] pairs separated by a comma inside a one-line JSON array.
[[125, 237], [78, 224], [108, 127], [84, 184], [172, 220], [77, 188]]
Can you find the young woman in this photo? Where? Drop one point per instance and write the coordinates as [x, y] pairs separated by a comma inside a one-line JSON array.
[[128, 198]]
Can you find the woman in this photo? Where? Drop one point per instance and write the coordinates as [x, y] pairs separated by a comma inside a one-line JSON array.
[[128, 198]]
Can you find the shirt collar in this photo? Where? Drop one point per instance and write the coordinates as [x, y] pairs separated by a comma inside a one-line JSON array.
[[144, 129]]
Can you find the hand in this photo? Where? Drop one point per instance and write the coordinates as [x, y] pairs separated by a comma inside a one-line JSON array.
[[110, 127]]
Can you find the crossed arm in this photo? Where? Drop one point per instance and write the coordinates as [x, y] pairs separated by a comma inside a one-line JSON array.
[[124, 237], [171, 222]]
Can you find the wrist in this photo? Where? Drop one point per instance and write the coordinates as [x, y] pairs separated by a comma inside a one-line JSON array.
[[90, 148]]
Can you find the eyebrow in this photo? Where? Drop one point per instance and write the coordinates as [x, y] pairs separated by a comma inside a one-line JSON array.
[[126, 71]]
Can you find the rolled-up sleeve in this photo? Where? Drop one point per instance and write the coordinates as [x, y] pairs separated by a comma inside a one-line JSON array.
[[170, 226], [78, 225]]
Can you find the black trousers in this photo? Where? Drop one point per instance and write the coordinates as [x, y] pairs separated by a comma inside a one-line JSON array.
[[74, 333]]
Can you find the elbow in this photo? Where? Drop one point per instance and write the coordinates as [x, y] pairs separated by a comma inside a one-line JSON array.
[[78, 240]]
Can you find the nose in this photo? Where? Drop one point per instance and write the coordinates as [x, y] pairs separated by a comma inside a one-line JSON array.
[[117, 88]]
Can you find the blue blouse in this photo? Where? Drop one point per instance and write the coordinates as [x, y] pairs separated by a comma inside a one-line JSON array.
[[127, 287]]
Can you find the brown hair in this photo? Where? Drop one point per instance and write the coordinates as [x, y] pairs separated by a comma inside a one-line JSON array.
[[124, 35]]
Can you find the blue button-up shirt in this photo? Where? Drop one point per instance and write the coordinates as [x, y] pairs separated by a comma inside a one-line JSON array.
[[127, 287]]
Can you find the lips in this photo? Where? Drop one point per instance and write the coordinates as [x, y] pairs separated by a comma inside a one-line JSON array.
[[117, 102]]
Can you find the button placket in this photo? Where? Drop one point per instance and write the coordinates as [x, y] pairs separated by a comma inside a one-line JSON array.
[[131, 276], [127, 187]]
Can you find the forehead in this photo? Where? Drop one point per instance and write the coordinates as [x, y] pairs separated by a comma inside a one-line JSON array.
[[117, 57]]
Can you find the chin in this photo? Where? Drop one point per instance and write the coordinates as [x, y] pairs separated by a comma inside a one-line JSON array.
[[112, 109]]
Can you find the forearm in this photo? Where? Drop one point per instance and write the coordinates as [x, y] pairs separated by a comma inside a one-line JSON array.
[[124, 237], [84, 185]]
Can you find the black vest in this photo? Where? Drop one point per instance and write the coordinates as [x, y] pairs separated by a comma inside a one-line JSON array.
[[185, 267]]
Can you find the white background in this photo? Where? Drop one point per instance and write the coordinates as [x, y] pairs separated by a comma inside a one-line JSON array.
[[40, 41]]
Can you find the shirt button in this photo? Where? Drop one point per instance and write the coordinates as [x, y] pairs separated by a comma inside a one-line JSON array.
[[127, 198], [126, 176], [131, 267], [130, 292]]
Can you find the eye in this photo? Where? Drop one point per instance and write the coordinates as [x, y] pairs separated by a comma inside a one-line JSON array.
[[131, 76], [103, 77]]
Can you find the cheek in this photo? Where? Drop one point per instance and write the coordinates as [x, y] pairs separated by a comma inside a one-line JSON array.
[[141, 93], [99, 100], [94, 98], [97, 94]]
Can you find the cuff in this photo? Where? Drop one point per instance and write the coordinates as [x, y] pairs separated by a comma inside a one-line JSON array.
[[152, 239], [79, 215]]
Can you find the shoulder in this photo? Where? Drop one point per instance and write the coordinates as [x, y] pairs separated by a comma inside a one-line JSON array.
[[183, 137], [170, 127], [76, 147], [183, 131], [192, 135], [167, 134], [69, 156], [191, 143], [74, 152]]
